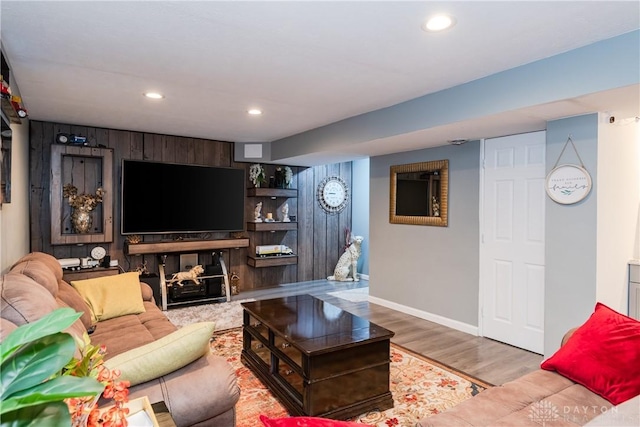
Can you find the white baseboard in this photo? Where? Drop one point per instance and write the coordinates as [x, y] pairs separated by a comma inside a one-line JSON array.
[[363, 276], [445, 321]]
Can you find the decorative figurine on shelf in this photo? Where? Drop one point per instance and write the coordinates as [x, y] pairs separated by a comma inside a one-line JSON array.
[[256, 174], [435, 206], [257, 213], [234, 281], [346, 268], [187, 275], [83, 205], [285, 213]]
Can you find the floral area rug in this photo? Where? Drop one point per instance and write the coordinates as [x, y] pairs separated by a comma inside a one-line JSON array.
[[420, 387]]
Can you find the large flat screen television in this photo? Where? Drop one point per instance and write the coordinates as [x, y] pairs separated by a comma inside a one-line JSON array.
[[165, 198]]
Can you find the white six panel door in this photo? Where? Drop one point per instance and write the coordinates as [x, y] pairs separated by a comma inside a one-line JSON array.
[[512, 241]]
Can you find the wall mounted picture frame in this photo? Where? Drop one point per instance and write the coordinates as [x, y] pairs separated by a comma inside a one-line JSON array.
[[419, 193]]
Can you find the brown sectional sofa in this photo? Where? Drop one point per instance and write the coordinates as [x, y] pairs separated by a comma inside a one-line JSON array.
[[202, 393]]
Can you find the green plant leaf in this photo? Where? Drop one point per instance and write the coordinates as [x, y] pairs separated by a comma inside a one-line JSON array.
[[45, 415], [56, 321], [54, 390], [35, 362]]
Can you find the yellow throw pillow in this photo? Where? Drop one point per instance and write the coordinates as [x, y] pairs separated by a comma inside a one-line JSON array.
[[165, 355], [111, 296]]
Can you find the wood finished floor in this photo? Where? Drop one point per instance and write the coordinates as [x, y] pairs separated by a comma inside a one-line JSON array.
[[483, 358]]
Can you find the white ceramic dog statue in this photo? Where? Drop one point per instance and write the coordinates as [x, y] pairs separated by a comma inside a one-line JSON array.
[[187, 275], [346, 268]]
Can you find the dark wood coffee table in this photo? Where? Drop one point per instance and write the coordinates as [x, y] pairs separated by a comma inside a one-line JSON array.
[[316, 358]]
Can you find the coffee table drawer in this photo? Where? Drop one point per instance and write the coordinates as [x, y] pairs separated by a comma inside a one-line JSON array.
[[258, 327], [292, 379], [258, 350], [288, 350]]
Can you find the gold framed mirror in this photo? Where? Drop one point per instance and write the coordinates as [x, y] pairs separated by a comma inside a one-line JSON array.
[[419, 193]]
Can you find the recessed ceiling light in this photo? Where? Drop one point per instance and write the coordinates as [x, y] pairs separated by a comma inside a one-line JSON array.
[[154, 95], [254, 112], [438, 23]]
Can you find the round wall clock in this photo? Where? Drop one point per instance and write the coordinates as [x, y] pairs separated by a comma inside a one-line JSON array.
[[568, 184], [333, 194], [98, 253]]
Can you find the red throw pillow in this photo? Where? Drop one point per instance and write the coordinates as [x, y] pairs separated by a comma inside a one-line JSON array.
[[603, 355], [306, 422]]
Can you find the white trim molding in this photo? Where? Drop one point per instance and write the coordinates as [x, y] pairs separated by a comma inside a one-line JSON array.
[[450, 323]]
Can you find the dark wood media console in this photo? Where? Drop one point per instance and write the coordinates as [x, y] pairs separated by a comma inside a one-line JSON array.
[[316, 358]]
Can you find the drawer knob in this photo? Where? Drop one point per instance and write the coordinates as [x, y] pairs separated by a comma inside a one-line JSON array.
[[288, 372], [259, 345], [285, 345], [257, 324]]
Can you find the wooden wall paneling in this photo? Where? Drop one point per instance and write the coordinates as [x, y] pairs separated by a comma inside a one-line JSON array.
[[334, 233], [39, 171], [194, 151], [98, 137], [248, 281], [306, 201], [168, 149], [345, 218], [152, 147], [319, 229], [318, 240], [181, 149], [61, 251], [210, 153]]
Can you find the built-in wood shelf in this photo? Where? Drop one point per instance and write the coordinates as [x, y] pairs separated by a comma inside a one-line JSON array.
[[273, 261], [272, 226], [184, 246], [272, 192]]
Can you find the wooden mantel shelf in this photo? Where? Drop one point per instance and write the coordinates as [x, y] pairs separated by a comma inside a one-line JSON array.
[[183, 246], [272, 192]]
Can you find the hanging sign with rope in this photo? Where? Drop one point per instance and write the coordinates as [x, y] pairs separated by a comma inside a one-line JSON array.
[[567, 184]]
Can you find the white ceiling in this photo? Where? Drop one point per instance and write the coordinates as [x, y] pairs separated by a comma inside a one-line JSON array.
[[305, 63]]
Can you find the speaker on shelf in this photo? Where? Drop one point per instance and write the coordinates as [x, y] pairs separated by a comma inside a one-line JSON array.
[[188, 261]]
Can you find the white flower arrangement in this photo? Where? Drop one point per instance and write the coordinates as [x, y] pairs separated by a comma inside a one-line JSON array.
[[256, 174], [288, 176]]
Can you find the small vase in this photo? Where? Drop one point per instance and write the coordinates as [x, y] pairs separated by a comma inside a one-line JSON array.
[[279, 179], [81, 220]]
